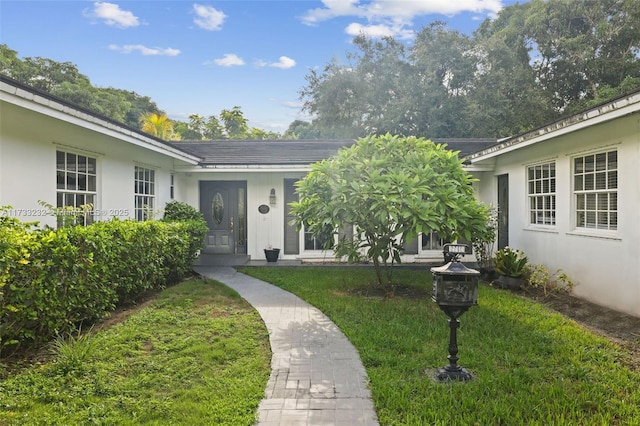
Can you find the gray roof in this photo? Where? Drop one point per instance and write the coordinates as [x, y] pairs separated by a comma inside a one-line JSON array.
[[292, 152]]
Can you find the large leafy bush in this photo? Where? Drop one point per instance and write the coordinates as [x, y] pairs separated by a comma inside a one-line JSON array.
[[390, 189], [53, 280]]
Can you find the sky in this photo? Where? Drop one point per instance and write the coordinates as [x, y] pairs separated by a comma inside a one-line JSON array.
[[200, 57]]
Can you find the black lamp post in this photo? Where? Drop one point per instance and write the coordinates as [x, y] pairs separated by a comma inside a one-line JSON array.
[[455, 290]]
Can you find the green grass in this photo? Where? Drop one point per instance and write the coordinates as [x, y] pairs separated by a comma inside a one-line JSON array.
[[531, 366], [199, 355]]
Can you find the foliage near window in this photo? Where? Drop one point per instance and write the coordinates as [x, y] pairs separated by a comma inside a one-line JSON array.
[[52, 280], [483, 242], [76, 186], [390, 189], [177, 210]]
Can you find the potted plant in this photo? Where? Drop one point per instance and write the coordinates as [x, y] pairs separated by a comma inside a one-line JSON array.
[[271, 253], [510, 264]]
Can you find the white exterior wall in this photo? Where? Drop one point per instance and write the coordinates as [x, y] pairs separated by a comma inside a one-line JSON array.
[[265, 230], [262, 229], [28, 145], [604, 265]]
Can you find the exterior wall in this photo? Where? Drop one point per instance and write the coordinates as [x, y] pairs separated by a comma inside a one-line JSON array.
[[263, 230], [28, 144], [603, 263]]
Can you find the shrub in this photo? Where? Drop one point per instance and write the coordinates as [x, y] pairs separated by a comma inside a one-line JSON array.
[[176, 210], [538, 276], [51, 281], [510, 262]]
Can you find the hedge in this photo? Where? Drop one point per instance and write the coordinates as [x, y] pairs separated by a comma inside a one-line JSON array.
[[52, 281]]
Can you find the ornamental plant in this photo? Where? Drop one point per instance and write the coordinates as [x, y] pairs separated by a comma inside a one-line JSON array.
[[510, 262], [389, 189]]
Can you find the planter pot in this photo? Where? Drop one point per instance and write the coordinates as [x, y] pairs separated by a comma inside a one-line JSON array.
[[509, 283], [272, 254], [488, 274]]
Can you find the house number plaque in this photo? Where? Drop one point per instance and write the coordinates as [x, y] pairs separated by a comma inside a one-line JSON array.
[[263, 208]]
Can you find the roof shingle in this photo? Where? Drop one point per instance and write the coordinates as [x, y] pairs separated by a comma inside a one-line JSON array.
[[292, 152]]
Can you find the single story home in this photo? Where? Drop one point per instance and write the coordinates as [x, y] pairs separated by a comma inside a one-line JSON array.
[[54, 152], [568, 195]]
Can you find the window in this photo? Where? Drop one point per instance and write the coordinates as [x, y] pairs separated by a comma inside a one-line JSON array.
[[595, 187], [313, 243], [541, 182], [76, 178], [172, 188], [432, 241], [144, 190]]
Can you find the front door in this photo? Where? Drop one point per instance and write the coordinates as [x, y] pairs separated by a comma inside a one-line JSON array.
[[503, 211], [223, 204]]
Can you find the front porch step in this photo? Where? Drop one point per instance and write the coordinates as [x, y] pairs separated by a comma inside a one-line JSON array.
[[206, 259]]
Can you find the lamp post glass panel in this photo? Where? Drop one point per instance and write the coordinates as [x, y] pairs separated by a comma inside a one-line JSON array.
[[455, 290]]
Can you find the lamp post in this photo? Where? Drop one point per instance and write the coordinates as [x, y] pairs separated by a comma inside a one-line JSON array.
[[455, 290]]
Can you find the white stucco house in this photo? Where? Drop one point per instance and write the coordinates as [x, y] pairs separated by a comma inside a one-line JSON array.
[[569, 197], [53, 151]]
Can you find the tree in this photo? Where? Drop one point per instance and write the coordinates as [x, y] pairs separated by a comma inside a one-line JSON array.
[[389, 189], [235, 124], [443, 75], [158, 125], [299, 129], [573, 46], [534, 62]]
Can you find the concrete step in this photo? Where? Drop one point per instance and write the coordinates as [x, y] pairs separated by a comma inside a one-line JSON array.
[[206, 259]]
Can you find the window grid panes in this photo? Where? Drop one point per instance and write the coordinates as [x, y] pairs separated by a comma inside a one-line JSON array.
[[541, 189], [595, 185], [316, 243], [76, 183], [144, 190], [432, 241]]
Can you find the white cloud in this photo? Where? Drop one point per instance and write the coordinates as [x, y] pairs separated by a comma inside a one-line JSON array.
[[284, 63], [111, 14], [392, 17], [384, 9], [145, 51], [208, 18], [228, 60]]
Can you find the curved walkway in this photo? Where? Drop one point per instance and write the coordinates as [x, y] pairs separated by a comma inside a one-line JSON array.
[[317, 377]]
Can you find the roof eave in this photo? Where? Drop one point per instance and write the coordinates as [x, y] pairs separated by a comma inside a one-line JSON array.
[[608, 111]]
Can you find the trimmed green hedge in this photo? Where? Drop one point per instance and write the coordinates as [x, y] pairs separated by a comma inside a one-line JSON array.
[[53, 280]]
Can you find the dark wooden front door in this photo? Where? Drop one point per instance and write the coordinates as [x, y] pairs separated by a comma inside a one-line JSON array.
[[503, 211], [223, 205]]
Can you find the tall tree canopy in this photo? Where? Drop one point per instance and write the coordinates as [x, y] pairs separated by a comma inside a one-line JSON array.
[[534, 62], [63, 79]]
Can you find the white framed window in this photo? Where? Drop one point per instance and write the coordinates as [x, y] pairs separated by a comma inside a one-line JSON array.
[[595, 188], [432, 241], [541, 190], [76, 182], [314, 243], [144, 190]]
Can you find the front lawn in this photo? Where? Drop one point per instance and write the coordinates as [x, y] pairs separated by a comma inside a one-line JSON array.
[[198, 355], [531, 365]]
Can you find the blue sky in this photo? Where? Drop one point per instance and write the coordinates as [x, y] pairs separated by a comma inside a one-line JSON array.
[[199, 57]]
